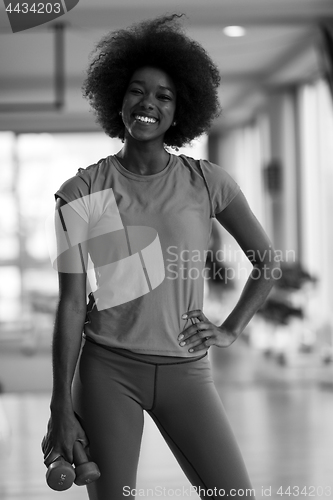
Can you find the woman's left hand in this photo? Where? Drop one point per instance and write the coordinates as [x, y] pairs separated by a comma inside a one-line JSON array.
[[203, 334]]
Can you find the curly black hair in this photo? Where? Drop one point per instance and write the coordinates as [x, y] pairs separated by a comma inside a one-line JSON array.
[[159, 43]]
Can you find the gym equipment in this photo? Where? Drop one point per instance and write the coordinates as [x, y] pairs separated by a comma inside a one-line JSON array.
[[61, 474], [86, 472]]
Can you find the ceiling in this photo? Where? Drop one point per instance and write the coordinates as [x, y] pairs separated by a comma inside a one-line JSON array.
[[279, 49]]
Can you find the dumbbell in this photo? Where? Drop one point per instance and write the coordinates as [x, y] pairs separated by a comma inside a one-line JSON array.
[[61, 475], [85, 472]]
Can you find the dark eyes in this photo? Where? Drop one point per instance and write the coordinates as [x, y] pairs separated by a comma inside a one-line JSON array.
[[164, 97]]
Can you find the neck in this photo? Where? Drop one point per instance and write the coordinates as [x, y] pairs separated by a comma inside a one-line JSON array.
[[142, 158]]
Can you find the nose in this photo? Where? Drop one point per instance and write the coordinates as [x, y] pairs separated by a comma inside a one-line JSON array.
[[147, 101]]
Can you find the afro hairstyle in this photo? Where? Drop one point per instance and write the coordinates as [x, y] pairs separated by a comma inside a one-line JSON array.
[[160, 43]]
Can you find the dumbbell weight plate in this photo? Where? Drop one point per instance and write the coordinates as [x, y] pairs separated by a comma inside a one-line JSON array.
[[86, 473], [60, 475]]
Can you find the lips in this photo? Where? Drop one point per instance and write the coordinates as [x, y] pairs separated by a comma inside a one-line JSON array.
[[145, 119]]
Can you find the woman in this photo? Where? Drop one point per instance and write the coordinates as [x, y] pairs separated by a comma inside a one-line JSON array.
[[144, 215]]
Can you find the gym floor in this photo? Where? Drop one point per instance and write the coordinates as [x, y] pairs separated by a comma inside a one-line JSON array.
[[282, 417]]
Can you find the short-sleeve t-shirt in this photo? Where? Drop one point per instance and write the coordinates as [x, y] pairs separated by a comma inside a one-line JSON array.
[[148, 242]]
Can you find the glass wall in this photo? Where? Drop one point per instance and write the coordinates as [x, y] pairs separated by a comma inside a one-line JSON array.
[[283, 161], [316, 156]]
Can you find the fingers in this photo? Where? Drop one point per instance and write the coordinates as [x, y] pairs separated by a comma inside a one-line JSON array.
[[200, 335], [49, 452], [203, 346], [81, 435], [197, 338], [198, 344], [196, 330], [197, 313], [199, 323], [65, 451], [51, 457], [84, 441], [59, 443], [52, 451], [46, 447]]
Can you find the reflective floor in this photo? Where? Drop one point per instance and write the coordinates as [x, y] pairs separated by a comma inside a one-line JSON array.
[[282, 416]]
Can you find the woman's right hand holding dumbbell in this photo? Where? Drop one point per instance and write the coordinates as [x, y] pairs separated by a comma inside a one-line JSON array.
[[58, 444], [62, 432]]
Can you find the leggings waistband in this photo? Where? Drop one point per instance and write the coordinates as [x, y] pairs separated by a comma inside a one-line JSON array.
[[148, 358]]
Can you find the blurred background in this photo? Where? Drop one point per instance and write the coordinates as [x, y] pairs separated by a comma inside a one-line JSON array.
[[275, 137]]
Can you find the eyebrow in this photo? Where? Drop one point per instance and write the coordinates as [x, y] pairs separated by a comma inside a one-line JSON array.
[[160, 86]]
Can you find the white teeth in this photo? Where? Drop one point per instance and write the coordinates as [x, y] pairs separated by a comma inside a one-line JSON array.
[[145, 119]]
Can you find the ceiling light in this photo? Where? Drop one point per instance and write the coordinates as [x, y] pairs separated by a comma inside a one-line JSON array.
[[234, 31]]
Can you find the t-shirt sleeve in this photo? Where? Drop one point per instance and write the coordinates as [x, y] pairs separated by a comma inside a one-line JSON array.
[[70, 225], [221, 186], [75, 191]]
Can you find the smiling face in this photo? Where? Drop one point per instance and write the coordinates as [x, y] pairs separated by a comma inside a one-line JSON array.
[[149, 105]]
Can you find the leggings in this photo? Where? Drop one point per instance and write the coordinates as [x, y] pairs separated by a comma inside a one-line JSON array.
[[110, 392]]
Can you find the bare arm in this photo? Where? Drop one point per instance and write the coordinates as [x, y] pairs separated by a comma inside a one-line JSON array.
[[63, 428], [238, 219], [241, 223]]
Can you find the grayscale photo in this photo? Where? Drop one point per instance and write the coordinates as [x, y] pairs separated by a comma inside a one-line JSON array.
[[166, 184]]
